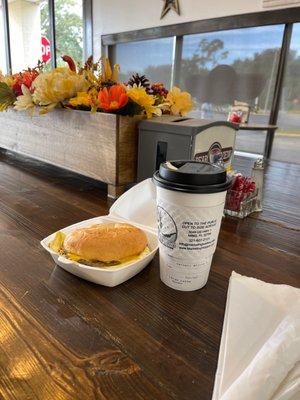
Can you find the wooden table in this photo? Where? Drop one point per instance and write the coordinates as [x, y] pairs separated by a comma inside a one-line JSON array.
[[64, 338]]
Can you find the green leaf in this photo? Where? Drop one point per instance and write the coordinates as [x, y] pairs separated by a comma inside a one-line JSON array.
[[7, 96]]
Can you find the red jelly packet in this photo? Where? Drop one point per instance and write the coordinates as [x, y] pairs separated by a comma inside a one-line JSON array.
[[242, 187]]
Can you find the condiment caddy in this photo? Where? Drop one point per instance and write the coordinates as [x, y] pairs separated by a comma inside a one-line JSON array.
[[245, 195]]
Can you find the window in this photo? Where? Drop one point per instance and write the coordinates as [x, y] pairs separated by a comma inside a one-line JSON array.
[[286, 145], [241, 64], [26, 20], [152, 58], [3, 66], [29, 27], [69, 29], [219, 60]]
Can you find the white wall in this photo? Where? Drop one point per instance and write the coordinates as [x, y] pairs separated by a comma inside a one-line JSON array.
[[113, 16], [25, 34]]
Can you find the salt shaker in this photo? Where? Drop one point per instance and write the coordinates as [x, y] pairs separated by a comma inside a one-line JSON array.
[[258, 177]]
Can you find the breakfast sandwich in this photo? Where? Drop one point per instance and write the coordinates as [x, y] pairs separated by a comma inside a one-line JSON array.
[[105, 245]]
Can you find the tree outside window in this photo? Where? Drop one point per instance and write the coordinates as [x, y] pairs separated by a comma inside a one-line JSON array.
[[68, 28]]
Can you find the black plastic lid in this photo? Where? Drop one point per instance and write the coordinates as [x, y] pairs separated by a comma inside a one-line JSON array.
[[192, 177]]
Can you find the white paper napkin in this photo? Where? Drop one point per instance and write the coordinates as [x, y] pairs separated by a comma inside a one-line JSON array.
[[259, 356]]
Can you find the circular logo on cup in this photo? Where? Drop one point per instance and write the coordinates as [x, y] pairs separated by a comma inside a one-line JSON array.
[[167, 229], [215, 153]]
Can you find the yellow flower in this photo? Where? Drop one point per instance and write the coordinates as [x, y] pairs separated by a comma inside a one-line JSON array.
[[145, 100], [58, 85], [82, 99], [24, 102], [108, 73], [86, 99], [180, 103], [8, 79]]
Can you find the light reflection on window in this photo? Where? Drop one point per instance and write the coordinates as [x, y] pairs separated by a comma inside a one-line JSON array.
[[152, 58]]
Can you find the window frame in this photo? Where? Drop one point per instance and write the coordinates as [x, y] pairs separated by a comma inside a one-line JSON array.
[[87, 6], [6, 36], [287, 17]]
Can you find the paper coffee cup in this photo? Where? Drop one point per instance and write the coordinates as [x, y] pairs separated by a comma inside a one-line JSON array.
[[190, 203]]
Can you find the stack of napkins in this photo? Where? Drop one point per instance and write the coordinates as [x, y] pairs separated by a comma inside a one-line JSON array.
[[259, 355]]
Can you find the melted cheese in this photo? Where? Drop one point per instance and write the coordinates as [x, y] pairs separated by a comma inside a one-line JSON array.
[[130, 260]]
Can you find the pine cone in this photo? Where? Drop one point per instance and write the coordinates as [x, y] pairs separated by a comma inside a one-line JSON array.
[[138, 80]]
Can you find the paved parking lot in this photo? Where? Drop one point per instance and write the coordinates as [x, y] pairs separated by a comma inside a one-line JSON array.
[[286, 147]]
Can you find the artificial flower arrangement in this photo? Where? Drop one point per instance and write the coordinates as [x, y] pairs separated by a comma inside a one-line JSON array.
[[94, 87]]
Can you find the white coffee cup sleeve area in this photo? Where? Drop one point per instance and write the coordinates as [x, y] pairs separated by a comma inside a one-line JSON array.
[[190, 204]]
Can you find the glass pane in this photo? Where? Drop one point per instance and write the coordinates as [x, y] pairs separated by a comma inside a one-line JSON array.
[[152, 58], [28, 21], [69, 30], [286, 146], [3, 67], [221, 67], [45, 34]]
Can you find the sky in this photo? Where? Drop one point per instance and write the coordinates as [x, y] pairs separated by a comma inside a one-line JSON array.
[[240, 44]]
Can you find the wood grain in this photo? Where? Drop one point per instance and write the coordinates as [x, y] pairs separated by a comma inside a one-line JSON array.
[[64, 338], [100, 146], [127, 147]]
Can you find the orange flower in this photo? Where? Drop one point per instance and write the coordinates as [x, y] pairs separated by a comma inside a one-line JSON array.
[[23, 78], [113, 98]]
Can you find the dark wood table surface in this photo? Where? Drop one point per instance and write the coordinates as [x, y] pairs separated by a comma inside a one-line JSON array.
[[64, 338]]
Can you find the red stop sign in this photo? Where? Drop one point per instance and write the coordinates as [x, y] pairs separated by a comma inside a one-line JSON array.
[[46, 49]]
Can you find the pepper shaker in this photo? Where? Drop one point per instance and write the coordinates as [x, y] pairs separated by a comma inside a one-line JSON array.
[[258, 177]]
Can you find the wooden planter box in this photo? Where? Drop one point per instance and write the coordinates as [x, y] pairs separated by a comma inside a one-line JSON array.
[[100, 146]]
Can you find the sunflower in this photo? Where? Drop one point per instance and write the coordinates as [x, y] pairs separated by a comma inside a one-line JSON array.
[[81, 99], [139, 96], [86, 99]]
